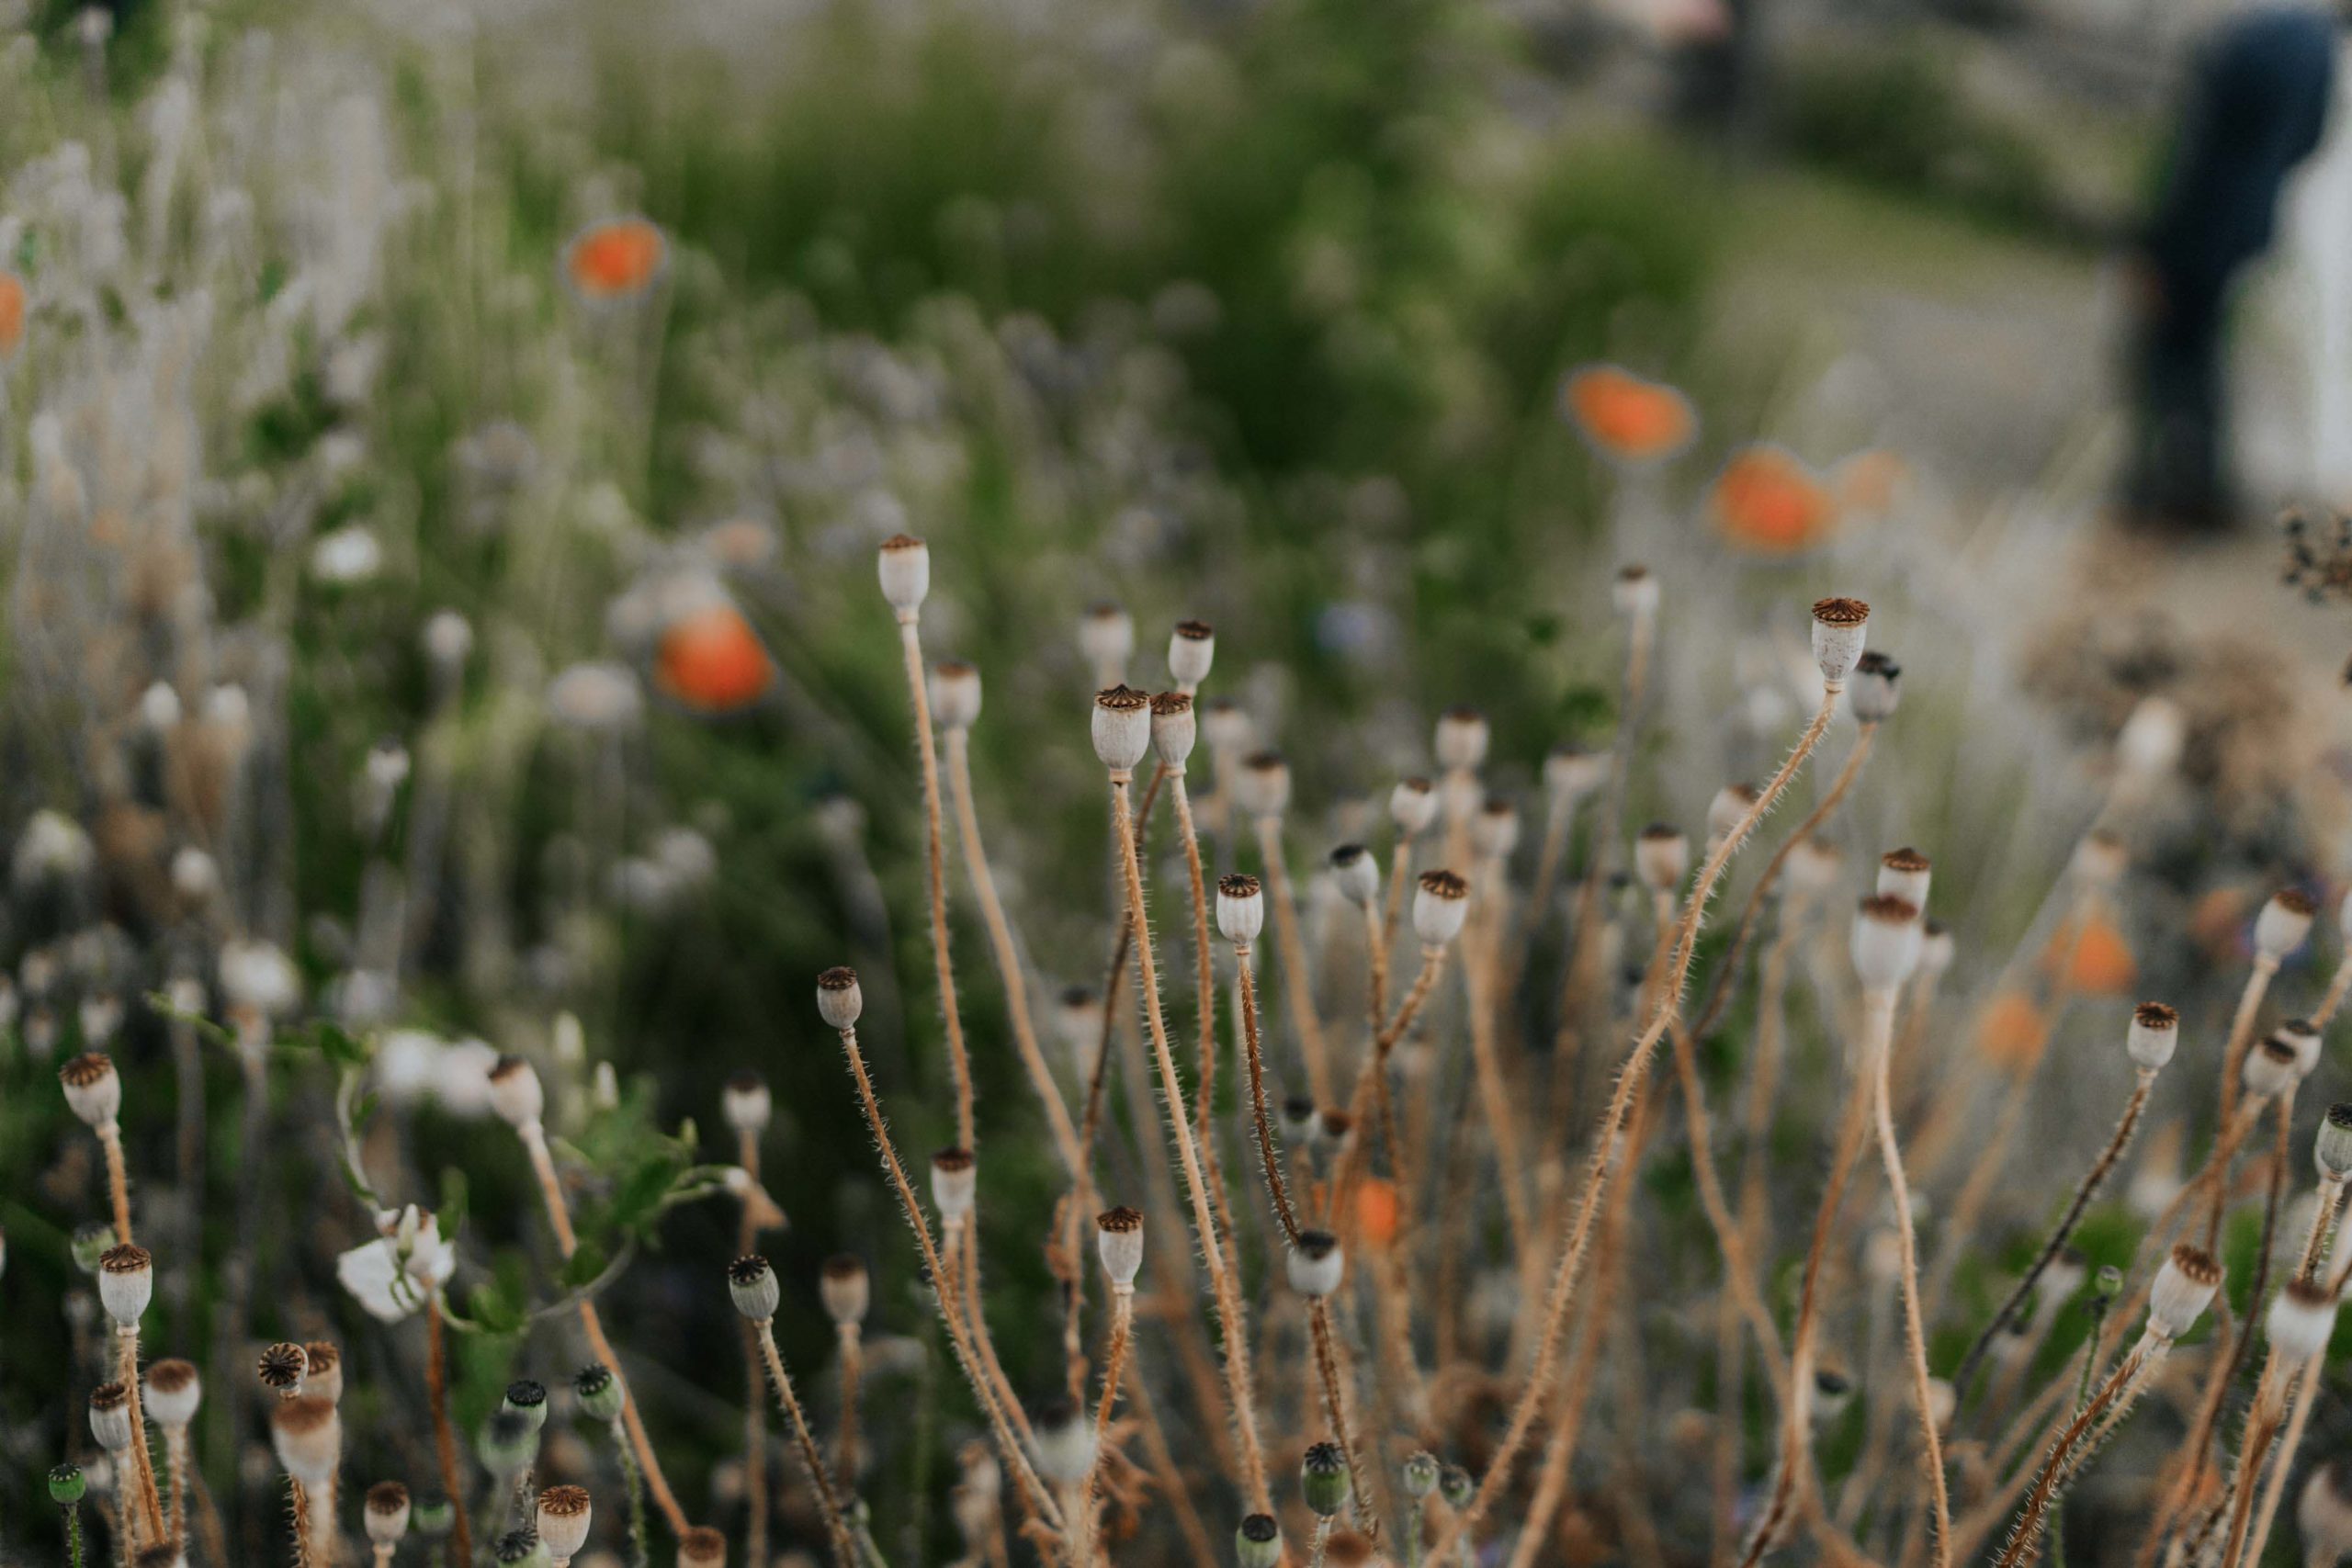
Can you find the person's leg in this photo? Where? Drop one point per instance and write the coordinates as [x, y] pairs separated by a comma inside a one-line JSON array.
[[2177, 470]]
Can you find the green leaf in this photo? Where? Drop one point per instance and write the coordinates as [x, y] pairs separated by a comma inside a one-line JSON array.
[[583, 1266]]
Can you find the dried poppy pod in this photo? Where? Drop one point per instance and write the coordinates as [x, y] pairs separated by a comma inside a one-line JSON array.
[[125, 1284], [2301, 1319], [1296, 1115], [1315, 1263], [904, 564], [2284, 924], [1118, 1242], [1122, 728], [308, 1436], [1634, 591], [2099, 860], [1192, 650], [1258, 1542], [839, 1001], [1463, 737], [1661, 857], [2323, 1512], [1262, 788], [955, 1183], [1440, 908], [1355, 871], [1106, 636], [1815, 865], [173, 1391], [385, 1513], [1228, 729], [2152, 1036], [746, 1103], [2152, 737], [955, 693], [515, 1093], [1886, 942], [282, 1368], [1173, 729], [562, 1520], [754, 1287], [1241, 909], [110, 1416], [1730, 809], [2301, 1037], [702, 1547], [1876, 689], [322, 1371], [846, 1289], [1571, 773], [1494, 832], [1065, 1440], [1412, 805], [1839, 627], [93, 1089], [2184, 1288], [2271, 1069], [1904, 873], [1323, 1479], [1937, 948]]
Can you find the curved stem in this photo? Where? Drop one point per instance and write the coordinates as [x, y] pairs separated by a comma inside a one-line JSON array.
[[829, 1506], [1298, 980], [1913, 1329], [1269, 1155], [959, 1065]]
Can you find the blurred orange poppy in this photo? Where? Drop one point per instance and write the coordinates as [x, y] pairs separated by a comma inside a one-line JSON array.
[[1768, 503], [12, 313], [2011, 1033], [1377, 1212], [713, 663], [2092, 958], [616, 260], [1628, 420]]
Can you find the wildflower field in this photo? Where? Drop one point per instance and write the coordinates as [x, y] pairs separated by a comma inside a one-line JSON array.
[[1001, 781]]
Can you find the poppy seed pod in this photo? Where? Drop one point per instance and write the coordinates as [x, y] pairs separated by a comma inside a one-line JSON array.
[[308, 1436], [2270, 1069], [323, 1372], [2301, 1319], [702, 1547], [385, 1513], [599, 1392], [1441, 905], [1494, 832], [1356, 872], [1832, 1392], [516, 1094], [1634, 590], [126, 1284], [522, 1549], [1118, 1241], [1297, 1114], [1258, 1543], [1463, 737], [110, 1416], [562, 1517], [1077, 1018], [754, 1287], [2152, 1036], [1839, 627], [173, 1391], [1065, 1440], [1876, 689], [2152, 737], [508, 1443], [2323, 1512], [2283, 925], [1191, 648], [282, 1368], [2183, 1289], [67, 1485], [1937, 948], [1315, 1263], [1412, 805], [1323, 1478], [956, 694], [839, 1001], [2067, 1272], [844, 1288], [1173, 729], [1241, 909], [955, 1183], [1571, 773], [1815, 866], [1729, 809], [904, 566], [1661, 857], [1904, 873], [1886, 942], [2332, 1148], [1122, 728], [1334, 1131], [528, 1397], [1226, 726], [1107, 638], [93, 1089], [2301, 1037], [1262, 788], [746, 1103]]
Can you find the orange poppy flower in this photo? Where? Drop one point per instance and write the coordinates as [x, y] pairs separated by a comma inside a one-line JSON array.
[[1377, 1212], [2092, 959], [1628, 420], [1767, 502], [712, 661], [12, 313], [2011, 1033], [616, 260]]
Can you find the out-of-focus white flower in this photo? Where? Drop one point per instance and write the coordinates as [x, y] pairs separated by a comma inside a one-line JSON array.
[[463, 1082], [54, 847], [448, 638], [408, 1064], [256, 975], [597, 696], [392, 1275], [350, 554]]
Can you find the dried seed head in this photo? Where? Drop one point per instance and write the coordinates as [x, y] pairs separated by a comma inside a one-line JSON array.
[[521, 1549], [904, 564], [1258, 1543], [1729, 809], [126, 1284], [2301, 1319], [1334, 1130], [1228, 729], [1122, 728], [2323, 1512], [1241, 909], [2272, 1069], [1106, 636], [308, 1436], [1420, 1474], [2183, 1289], [1323, 1478], [93, 1089], [839, 1001], [528, 1397], [2301, 1036], [2151, 739], [1904, 874], [1634, 591], [2284, 924], [955, 693], [1839, 628], [2152, 1036], [1065, 1440], [110, 1416], [1118, 1241], [1297, 1114], [1463, 737], [515, 1093], [599, 1392], [2333, 1149], [2067, 1272], [746, 1104], [1441, 905], [1262, 787], [1457, 1486], [1355, 871], [1661, 857], [1571, 773], [1876, 689], [702, 1547], [173, 1391], [845, 1290], [1078, 1018], [1494, 832], [563, 1517], [282, 1368], [1832, 1392], [1315, 1263], [1937, 948], [1173, 729], [322, 1371], [955, 1183], [1412, 805], [1191, 648], [1886, 941], [386, 1514]]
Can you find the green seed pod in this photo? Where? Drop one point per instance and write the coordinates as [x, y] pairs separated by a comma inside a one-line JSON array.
[[528, 1399], [67, 1485], [2333, 1149], [1420, 1475], [599, 1392], [1456, 1487], [508, 1442], [91, 1239], [1259, 1543], [521, 1547], [1323, 1477], [431, 1516]]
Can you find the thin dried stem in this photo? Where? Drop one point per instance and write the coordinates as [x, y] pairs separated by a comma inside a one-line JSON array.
[[755, 1406], [828, 1504], [1335, 1409], [2257, 983], [959, 1065], [1298, 981], [2063, 1459], [444, 1437], [150, 1506], [1270, 1157], [1913, 1327], [118, 1181]]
